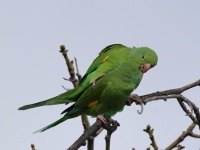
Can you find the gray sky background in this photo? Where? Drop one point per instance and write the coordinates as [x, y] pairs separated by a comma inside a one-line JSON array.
[[32, 68]]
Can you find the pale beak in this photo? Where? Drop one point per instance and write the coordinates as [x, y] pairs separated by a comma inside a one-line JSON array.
[[144, 68]]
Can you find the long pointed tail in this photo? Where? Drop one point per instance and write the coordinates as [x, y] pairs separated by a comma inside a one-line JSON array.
[[42, 103], [63, 98], [65, 117]]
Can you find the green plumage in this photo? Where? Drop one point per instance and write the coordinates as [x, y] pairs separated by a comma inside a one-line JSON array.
[[103, 90]]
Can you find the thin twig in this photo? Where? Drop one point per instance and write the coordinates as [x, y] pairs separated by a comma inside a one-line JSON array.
[[171, 91], [86, 126], [193, 108], [85, 122], [69, 66], [107, 139], [65, 88], [181, 100], [181, 137], [77, 70], [194, 135], [33, 147], [151, 136], [179, 147]]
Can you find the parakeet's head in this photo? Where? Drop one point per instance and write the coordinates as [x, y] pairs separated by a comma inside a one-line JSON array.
[[146, 58]]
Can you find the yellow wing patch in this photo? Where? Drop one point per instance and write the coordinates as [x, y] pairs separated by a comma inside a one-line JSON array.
[[93, 103], [105, 59]]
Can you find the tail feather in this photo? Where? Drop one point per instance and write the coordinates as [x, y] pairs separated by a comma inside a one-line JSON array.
[[72, 112], [33, 105], [63, 98], [65, 117]]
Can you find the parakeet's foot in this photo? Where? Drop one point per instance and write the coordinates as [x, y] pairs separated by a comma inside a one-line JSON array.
[[135, 98], [102, 119], [96, 79]]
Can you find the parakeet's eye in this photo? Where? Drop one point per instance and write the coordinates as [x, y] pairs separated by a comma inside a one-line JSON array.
[[142, 57]]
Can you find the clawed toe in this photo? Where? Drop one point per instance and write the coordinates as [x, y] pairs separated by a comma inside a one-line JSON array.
[[135, 98], [102, 119]]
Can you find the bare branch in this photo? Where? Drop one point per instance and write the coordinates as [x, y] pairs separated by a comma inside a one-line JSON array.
[[86, 126], [107, 139], [151, 136], [181, 101], [181, 137], [188, 102], [87, 133], [160, 97], [111, 126], [77, 70], [64, 88], [171, 91], [194, 135], [69, 66], [170, 94]]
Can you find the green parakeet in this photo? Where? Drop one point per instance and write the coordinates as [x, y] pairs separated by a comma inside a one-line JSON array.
[[103, 90]]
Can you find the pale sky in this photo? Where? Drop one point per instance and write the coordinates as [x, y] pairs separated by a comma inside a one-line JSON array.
[[31, 33]]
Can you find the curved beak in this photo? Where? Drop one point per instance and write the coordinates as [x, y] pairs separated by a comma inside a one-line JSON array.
[[144, 68]]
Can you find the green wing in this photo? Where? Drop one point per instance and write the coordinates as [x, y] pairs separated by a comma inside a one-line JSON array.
[[108, 60], [103, 56]]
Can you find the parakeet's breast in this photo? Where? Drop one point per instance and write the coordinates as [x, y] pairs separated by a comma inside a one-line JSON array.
[[110, 93]]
